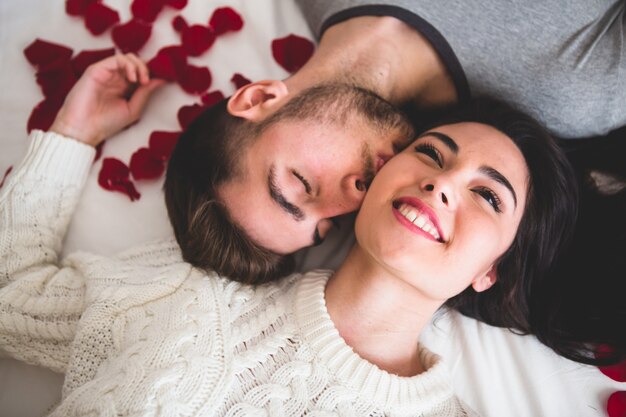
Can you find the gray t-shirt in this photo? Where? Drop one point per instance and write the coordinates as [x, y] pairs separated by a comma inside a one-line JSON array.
[[564, 62]]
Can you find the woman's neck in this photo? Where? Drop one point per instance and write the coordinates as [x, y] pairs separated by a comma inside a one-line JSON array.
[[378, 314]]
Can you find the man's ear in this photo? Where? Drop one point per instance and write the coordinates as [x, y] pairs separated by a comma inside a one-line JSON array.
[[485, 281], [256, 100]]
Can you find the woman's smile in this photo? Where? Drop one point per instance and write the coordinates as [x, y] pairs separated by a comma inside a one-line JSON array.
[[417, 217]]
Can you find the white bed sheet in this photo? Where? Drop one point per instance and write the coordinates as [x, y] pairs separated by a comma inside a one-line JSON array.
[[495, 372]]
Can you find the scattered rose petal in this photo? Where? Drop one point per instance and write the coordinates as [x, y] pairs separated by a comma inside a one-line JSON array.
[[292, 52], [239, 80], [179, 23], [146, 10], [177, 4], [187, 114], [225, 20], [114, 176], [85, 58], [41, 53], [212, 98], [78, 7], [57, 80], [617, 371], [168, 63], [132, 35], [6, 174], [145, 166], [616, 405], [197, 39], [162, 144], [99, 148], [195, 80], [44, 113], [99, 18]]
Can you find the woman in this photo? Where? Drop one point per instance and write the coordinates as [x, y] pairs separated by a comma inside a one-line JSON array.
[[146, 334]]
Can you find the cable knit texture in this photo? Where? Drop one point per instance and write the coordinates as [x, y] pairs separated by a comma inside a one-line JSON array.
[[145, 334]]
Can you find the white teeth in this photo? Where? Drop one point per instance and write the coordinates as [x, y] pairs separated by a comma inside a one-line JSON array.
[[420, 221], [414, 216]]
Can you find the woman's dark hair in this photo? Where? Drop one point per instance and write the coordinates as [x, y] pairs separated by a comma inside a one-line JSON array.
[[523, 298]]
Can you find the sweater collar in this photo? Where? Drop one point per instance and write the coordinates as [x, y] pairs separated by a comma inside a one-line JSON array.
[[402, 395]]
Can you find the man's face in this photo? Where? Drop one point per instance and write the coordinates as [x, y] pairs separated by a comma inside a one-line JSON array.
[[299, 174]]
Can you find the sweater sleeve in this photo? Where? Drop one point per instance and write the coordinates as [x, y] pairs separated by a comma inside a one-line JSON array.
[[40, 300]]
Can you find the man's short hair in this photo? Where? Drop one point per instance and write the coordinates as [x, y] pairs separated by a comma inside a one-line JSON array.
[[208, 155]]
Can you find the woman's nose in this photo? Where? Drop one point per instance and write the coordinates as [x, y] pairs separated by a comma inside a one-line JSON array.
[[442, 190]]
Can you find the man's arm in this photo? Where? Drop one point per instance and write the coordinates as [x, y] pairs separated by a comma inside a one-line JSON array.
[[41, 300]]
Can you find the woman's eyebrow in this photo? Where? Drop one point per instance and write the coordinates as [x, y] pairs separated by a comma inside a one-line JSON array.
[[447, 140], [495, 175]]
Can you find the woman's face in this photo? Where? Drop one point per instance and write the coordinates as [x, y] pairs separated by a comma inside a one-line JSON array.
[[441, 213]]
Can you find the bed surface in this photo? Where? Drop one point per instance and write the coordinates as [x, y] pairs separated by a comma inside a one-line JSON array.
[[496, 372]]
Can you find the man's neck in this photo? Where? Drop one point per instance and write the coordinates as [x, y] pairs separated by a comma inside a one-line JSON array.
[[382, 54]]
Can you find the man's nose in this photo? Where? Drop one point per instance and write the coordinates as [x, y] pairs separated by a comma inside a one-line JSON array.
[[344, 198]]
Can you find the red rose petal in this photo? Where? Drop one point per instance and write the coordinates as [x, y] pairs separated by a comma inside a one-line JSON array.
[[6, 174], [179, 23], [617, 371], [99, 18], [132, 35], [85, 58], [239, 80], [41, 53], [616, 405], [56, 81], [195, 80], [169, 63], [114, 176], [78, 7], [44, 113], [177, 4], [162, 144], [212, 98], [292, 52], [187, 114], [146, 10], [145, 166], [225, 20], [197, 39]]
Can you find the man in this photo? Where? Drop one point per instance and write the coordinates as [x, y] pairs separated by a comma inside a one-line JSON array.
[[265, 172]]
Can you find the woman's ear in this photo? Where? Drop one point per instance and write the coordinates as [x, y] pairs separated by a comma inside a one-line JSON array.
[[485, 281], [256, 100]]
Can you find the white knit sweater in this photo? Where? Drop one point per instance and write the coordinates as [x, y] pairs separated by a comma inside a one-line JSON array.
[[145, 334]]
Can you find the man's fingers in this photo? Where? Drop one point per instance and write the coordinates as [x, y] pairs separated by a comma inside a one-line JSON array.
[[141, 95], [141, 68], [127, 67]]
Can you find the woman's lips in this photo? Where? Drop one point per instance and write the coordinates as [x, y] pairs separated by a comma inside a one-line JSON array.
[[418, 217]]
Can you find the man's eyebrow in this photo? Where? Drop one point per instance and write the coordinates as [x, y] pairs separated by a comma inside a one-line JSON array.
[[495, 175], [447, 140], [277, 195]]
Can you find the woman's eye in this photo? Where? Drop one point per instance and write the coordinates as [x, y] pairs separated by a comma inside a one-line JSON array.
[[430, 151], [490, 197]]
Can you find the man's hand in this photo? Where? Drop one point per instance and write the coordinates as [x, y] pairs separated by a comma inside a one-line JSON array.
[[109, 96]]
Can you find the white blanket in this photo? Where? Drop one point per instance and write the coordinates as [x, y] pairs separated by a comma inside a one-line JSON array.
[[495, 372]]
